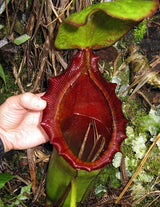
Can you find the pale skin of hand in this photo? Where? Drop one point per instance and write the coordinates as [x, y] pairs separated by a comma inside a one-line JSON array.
[[20, 118]]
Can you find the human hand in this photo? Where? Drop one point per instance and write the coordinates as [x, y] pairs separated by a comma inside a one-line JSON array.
[[20, 118]]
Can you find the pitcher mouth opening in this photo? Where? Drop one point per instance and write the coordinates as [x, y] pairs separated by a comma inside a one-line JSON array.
[[85, 119], [88, 142]]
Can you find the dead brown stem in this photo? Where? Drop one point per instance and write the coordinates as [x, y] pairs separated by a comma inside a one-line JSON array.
[[20, 68], [33, 169], [18, 80], [146, 99], [99, 150], [43, 62], [39, 20], [61, 59], [52, 6], [96, 139], [15, 15], [84, 142], [9, 28]]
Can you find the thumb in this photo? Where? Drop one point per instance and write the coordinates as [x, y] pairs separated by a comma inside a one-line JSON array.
[[31, 101]]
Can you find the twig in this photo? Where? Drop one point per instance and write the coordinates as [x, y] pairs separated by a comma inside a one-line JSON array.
[[124, 176], [43, 62], [146, 99], [99, 150], [18, 80], [115, 64], [55, 12], [40, 188], [38, 20], [61, 60], [22, 180], [15, 15], [53, 62], [153, 193], [6, 4], [84, 142], [33, 170], [96, 139], [144, 79], [138, 169], [58, 16], [153, 201], [20, 68]]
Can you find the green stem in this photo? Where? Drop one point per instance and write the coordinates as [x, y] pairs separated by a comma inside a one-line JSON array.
[[74, 2], [9, 191], [73, 193]]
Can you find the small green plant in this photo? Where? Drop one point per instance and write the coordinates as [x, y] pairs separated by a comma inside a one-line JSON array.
[[139, 31], [13, 199]]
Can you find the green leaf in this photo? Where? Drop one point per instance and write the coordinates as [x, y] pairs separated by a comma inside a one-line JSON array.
[[25, 189], [101, 25], [2, 75], [100, 189], [20, 40], [5, 177], [135, 10], [1, 26], [22, 196], [3, 6]]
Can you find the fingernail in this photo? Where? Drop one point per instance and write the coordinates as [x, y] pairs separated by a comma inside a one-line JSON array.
[[40, 103]]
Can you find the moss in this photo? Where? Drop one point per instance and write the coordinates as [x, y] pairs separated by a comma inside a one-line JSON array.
[[141, 132], [9, 89], [152, 164], [109, 175]]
